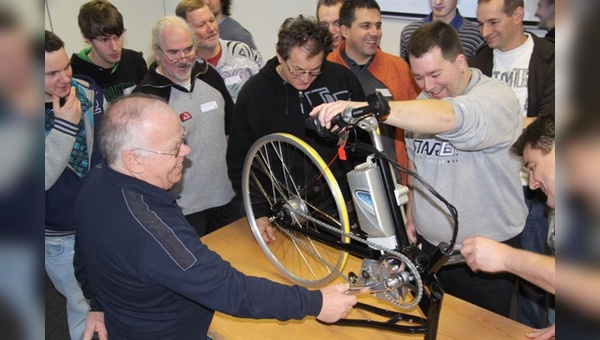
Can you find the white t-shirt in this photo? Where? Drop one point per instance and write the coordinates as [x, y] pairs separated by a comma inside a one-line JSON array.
[[512, 67]]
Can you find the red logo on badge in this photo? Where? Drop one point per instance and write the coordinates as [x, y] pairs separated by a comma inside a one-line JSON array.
[[185, 116]]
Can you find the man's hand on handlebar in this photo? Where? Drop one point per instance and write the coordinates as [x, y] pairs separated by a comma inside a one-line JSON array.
[[267, 230], [326, 112]]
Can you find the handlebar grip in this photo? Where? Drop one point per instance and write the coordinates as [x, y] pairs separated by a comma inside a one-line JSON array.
[[312, 123]]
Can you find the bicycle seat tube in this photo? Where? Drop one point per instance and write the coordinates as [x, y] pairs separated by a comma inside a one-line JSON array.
[[371, 126]]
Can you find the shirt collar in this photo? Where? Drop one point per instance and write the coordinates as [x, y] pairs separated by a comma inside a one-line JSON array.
[[456, 22], [353, 64], [133, 184]]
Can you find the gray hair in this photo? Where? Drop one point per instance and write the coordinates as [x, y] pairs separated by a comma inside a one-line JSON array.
[[122, 126], [168, 21]]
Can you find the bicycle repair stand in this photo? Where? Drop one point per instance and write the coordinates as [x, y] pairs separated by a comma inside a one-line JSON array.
[[430, 304]]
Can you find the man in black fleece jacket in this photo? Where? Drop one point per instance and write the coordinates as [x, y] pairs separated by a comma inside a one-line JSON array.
[[139, 260], [280, 97]]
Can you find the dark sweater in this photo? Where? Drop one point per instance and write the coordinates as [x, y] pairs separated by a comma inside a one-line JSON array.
[[267, 104], [113, 81], [143, 264], [540, 86]]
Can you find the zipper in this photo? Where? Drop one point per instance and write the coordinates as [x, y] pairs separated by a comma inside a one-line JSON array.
[[301, 98]]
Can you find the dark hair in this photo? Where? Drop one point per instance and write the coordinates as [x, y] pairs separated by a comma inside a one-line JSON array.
[[509, 5], [226, 7], [347, 12], [327, 3], [435, 34], [538, 135], [305, 32], [185, 6], [99, 18], [52, 42]]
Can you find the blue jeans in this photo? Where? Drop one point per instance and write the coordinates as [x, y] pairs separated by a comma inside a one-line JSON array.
[[59, 266], [532, 301]]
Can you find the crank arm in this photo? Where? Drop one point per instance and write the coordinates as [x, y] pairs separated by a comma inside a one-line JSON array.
[[387, 285]]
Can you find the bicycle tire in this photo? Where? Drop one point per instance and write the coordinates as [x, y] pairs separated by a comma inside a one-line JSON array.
[[282, 169]]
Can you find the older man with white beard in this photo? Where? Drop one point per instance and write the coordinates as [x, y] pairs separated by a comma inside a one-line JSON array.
[[199, 96]]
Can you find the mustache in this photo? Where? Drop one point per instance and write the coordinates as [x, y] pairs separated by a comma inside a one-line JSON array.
[[186, 64]]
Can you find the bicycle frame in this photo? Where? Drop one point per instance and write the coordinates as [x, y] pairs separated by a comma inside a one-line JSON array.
[[283, 206]]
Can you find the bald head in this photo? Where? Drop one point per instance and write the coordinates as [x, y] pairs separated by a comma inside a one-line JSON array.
[[126, 123]]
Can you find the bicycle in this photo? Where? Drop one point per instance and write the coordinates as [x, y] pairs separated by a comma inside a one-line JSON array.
[[285, 180]]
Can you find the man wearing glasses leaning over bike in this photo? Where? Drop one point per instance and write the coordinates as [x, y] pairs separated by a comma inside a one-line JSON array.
[[280, 96], [459, 133]]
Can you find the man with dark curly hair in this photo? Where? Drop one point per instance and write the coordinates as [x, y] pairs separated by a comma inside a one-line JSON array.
[[229, 28], [287, 88]]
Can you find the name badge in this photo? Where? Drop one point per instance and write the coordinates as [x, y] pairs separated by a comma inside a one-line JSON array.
[[128, 90], [233, 80], [208, 106], [385, 92]]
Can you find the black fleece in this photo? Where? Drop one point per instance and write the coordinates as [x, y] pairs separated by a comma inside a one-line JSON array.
[[540, 86], [267, 104], [113, 81]]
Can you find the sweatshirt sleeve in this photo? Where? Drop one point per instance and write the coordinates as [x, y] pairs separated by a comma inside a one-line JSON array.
[[82, 278], [240, 139], [58, 147], [547, 104], [215, 284], [488, 117], [213, 78]]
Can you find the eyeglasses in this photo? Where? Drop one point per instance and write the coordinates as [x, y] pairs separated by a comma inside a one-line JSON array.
[[175, 152], [187, 53], [328, 25], [298, 74]]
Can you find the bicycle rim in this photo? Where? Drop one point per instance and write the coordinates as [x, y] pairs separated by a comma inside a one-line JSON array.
[[281, 170]]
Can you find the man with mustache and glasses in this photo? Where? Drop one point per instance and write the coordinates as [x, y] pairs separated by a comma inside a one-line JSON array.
[[235, 61], [360, 25], [115, 69], [526, 63], [199, 96]]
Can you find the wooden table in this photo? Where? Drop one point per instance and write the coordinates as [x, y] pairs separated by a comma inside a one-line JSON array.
[[236, 244]]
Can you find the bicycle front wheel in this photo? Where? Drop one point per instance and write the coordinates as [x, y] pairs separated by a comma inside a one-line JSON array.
[[285, 181]]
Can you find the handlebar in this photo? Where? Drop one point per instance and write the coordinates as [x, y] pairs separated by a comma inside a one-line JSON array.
[[378, 107]]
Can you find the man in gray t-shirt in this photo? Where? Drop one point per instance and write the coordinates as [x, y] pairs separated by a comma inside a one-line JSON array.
[[458, 136]]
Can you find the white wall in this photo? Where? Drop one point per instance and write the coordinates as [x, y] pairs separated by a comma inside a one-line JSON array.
[[261, 17]]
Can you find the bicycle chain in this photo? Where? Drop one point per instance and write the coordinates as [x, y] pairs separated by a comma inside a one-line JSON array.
[[402, 257]]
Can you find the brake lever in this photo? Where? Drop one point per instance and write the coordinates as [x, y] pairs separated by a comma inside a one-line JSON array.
[[313, 123], [378, 107]]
